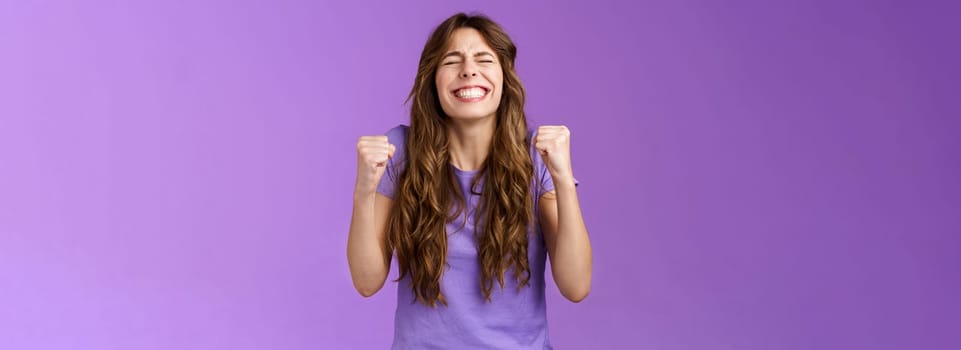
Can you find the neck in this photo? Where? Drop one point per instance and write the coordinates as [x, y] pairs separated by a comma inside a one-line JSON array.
[[470, 142]]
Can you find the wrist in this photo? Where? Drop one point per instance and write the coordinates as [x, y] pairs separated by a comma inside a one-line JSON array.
[[563, 182], [364, 192]]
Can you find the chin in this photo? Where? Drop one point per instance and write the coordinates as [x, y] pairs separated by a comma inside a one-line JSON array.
[[470, 116], [470, 112]]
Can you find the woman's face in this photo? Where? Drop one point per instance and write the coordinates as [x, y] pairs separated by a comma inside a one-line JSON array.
[[469, 78]]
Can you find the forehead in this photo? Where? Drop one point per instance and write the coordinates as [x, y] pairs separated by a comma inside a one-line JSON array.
[[467, 40]]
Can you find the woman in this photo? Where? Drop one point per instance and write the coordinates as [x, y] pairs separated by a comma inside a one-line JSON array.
[[469, 201]]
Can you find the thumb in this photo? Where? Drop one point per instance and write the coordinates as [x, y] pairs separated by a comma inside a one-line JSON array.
[[390, 151]]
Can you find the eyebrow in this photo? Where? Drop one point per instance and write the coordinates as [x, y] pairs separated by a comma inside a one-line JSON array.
[[458, 53]]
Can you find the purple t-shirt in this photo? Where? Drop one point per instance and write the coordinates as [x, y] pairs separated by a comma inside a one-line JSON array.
[[513, 320]]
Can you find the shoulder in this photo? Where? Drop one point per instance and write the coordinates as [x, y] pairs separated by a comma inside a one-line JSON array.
[[541, 181], [398, 135], [536, 159]]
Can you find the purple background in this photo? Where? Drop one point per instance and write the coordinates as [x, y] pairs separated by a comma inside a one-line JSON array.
[[755, 174]]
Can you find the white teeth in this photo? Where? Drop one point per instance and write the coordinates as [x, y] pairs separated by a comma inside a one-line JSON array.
[[470, 93]]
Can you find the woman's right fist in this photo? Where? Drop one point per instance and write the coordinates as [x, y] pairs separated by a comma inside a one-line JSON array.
[[372, 155]]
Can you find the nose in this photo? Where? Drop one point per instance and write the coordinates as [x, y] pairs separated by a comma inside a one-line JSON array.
[[468, 70]]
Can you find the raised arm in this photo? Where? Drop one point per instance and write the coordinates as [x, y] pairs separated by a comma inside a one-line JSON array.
[[565, 233], [367, 242]]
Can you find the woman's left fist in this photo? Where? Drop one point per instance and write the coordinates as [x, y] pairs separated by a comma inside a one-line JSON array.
[[554, 144]]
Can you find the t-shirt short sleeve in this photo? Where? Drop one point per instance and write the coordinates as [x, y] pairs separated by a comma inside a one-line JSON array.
[[397, 136], [542, 175]]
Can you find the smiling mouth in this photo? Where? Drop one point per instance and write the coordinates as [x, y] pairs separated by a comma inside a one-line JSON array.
[[470, 94]]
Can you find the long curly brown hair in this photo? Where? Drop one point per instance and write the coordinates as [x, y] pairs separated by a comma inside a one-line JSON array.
[[428, 196]]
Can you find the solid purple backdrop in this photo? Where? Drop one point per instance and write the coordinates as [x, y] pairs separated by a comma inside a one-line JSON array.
[[755, 174]]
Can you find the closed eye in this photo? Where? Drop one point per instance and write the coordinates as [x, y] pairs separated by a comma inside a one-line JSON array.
[[450, 63]]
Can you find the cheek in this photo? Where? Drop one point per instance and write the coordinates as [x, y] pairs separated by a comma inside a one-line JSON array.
[[497, 78], [440, 88], [499, 84], [441, 79]]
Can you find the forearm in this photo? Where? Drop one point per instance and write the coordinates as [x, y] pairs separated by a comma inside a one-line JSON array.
[[571, 263], [365, 246]]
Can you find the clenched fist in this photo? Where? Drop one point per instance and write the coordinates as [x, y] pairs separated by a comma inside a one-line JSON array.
[[372, 155], [554, 145]]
